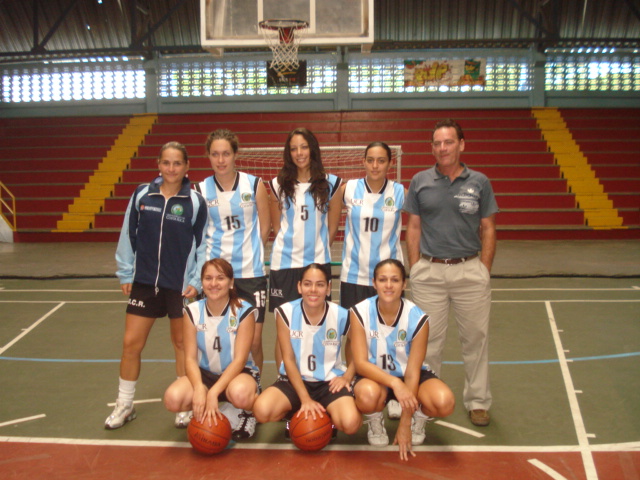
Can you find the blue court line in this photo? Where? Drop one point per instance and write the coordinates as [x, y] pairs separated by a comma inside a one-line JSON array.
[[504, 362]]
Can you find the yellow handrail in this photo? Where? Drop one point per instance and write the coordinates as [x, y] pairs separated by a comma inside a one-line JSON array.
[[4, 191]]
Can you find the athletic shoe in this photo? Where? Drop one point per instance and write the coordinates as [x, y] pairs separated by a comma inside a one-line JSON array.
[[376, 434], [122, 414], [232, 413], [183, 419], [394, 410], [418, 423], [247, 426]]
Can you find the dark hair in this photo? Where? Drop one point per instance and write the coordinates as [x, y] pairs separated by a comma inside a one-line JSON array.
[[448, 122], [390, 261], [176, 146], [226, 269], [378, 144], [315, 266], [222, 134], [288, 174]]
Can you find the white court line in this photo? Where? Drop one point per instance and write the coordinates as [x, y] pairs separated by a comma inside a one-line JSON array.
[[56, 301], [26, 331], [148, 400], [21, 420], [614, 447], [453, 426], [625, 289], [578, 422], [59, 291], [546, 469]]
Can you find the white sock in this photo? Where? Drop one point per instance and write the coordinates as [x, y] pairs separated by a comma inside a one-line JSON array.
[[126, 390]]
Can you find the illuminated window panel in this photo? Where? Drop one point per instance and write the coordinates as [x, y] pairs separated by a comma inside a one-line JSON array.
[[227, 78], [71, 82]]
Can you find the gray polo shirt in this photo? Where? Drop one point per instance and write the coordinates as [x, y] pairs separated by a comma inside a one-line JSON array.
[[450, 213]]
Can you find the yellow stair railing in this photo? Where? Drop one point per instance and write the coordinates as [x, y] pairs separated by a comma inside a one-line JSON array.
[[81, 213], [5, 207], [574, 166]]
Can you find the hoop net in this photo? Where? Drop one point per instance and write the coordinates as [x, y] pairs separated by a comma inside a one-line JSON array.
[[283, 38]]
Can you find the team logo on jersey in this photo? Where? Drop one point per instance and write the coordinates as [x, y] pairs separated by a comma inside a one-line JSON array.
[[402, 339], [233, 324], [277, 292], [201, 327], [213, 203], [246, 200], [358, 202], [177, 209], [296, 334], [332, 338], [389, 205], [374, 334]]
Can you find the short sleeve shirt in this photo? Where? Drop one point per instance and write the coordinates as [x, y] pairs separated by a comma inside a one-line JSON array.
[[450, 212]]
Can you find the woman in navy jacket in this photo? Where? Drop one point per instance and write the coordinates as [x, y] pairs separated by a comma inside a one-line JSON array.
[[160, 239]]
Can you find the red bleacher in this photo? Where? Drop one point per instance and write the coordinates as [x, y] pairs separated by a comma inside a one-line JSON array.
[[45, 162]]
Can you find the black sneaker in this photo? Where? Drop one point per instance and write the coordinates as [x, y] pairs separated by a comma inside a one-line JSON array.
[[247, 426]]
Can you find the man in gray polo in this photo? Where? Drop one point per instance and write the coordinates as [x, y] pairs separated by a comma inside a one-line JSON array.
[[451, 242]]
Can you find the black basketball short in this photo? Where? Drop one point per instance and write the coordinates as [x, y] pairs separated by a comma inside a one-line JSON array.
[[318, 391], [147, 301]]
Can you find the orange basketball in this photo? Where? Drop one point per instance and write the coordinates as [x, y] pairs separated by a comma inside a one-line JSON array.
[[207, 439], [309, 434]]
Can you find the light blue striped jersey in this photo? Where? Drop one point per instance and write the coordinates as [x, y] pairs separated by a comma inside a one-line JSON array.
[[303, 237], [372, 229], [216, 335], [233, 230], [389, 346], [316, 347]]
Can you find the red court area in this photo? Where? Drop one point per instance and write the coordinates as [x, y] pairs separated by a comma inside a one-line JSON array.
[[96, 462]]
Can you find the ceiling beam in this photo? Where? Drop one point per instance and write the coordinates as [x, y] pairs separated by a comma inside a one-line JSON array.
[[39, 47]]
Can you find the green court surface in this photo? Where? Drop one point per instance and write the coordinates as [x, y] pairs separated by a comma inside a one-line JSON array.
[[561, 348]]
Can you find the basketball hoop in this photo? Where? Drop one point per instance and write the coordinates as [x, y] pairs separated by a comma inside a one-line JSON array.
[[284, 44]]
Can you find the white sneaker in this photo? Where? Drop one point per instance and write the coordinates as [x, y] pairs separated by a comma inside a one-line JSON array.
[[418, 423], [394, 410], [183, 419], [122, 414], [232, 413], [376, 434], [246, 427]]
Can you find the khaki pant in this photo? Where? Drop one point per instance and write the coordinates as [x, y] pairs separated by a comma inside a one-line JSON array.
[[436, 287]]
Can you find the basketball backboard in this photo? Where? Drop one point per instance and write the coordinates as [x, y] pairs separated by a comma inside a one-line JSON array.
[[234, 23]]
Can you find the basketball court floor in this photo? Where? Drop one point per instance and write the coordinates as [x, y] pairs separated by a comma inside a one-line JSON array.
[[565, 357]]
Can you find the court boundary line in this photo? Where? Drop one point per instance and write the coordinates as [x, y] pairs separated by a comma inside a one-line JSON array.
[[609, 447], [27, 330], [578, 422]]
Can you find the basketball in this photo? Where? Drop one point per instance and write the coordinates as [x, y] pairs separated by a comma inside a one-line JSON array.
[[207, 439], [309, 434]]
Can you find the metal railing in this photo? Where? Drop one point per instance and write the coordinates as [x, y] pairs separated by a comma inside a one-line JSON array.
[[5, 196]]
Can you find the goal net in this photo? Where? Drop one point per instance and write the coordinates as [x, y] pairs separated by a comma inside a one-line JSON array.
[[344, 161]]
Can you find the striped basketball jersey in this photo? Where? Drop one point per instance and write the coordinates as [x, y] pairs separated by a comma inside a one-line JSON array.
[[316, 347], [372, 229], [389, 346], [216, 335], [233, 230], [303, 237]]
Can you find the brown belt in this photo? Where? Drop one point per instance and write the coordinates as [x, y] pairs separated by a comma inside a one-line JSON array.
[[448, 261]]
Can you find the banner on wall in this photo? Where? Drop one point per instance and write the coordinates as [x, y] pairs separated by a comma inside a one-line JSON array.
[[421, 73]]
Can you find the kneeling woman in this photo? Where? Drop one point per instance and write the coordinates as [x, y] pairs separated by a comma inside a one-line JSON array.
[[313, 377], [218, 332], [389, 341]]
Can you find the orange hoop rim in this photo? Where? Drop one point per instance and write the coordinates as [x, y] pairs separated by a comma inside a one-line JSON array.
[[277, 24]]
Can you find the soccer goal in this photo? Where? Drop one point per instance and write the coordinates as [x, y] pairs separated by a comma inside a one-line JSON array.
[[343, 161]]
